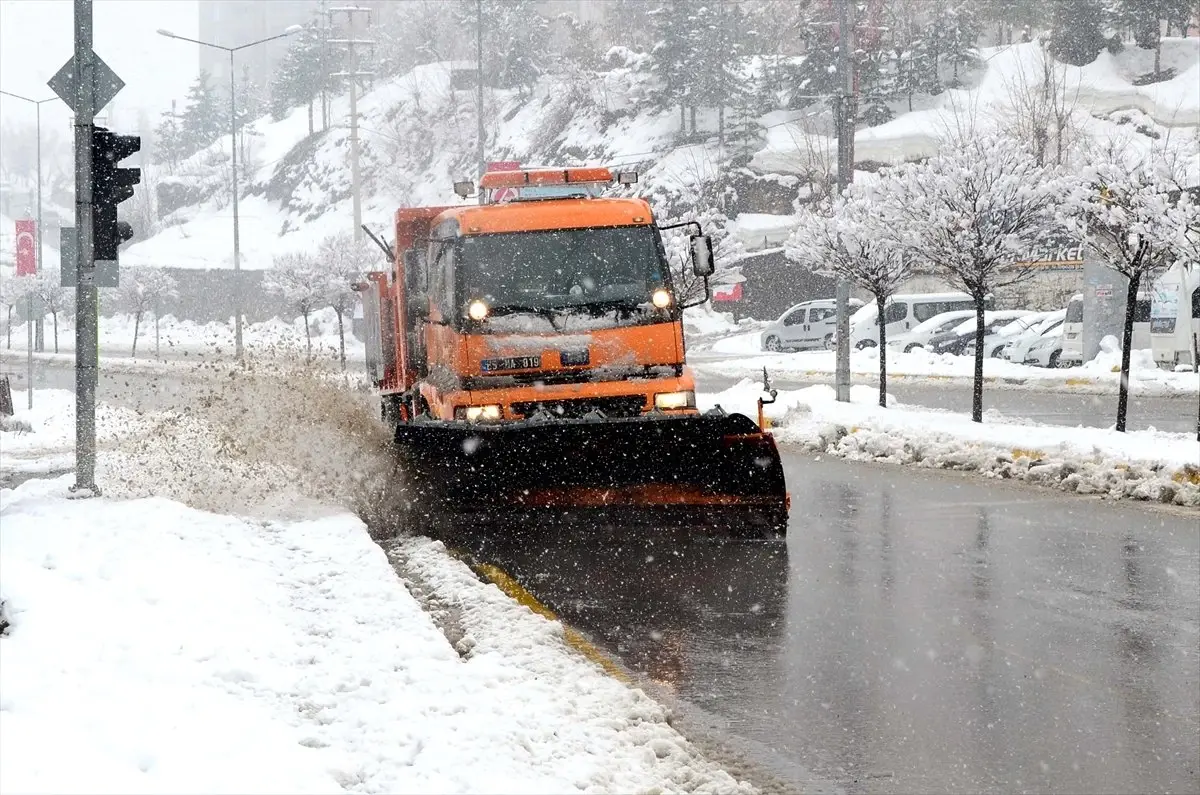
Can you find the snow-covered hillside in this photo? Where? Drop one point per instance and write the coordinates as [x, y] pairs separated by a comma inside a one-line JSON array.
[[418, 135]]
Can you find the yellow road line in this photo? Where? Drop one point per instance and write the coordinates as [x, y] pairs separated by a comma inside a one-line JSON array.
[[515, 591]]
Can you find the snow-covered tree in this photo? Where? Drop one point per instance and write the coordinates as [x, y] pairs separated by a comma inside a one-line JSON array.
[[203, 121], [302, 281], [1075, 35], [144, 290], [170, 147], [844, 240], [970, 212], [55, 299], [346, 262], [14, 291], [304, 74], [1127, 207]]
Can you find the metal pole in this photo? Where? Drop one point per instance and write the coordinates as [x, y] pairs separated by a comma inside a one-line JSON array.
[[355, 175], [237, 246], [479, 86], [37, 257], [845, 174], [87, 354], [29, 346]]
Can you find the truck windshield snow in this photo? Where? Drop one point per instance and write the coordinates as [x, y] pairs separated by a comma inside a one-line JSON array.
[[586, 271]]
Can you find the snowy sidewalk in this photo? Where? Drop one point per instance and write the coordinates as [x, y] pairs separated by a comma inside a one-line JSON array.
[[1141, 465], [164, 649]]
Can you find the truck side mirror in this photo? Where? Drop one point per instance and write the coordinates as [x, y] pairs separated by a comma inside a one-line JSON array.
[[703, 264]]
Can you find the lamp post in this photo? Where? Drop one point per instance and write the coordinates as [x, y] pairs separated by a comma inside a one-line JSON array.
[[37, 103], [237, 249]]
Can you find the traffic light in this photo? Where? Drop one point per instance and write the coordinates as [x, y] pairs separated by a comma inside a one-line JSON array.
[[111, 186]]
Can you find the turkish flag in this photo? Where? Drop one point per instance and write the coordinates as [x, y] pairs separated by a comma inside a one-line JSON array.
[[26, 247]]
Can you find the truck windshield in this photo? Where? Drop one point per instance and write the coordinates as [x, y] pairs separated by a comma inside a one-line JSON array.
[[597, 268]]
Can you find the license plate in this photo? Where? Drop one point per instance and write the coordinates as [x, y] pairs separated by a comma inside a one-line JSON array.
[[511, 363]]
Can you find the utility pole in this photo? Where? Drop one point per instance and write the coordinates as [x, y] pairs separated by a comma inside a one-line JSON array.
[[87, 348], [352, 43], [479, 89], [844, 121]]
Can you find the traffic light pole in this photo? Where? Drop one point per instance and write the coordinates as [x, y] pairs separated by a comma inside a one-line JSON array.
[[87, 354]]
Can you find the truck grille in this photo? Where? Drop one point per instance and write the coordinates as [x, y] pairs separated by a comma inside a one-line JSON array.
[[619, 406]]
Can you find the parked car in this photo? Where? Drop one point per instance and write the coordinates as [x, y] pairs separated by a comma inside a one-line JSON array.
[[955, 340], [920, 335], [1015, 350], [1004, 333], [804, 326], [902, 314], [1046, 351]]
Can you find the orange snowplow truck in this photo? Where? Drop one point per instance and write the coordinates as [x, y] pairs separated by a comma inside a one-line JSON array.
[[529, 351]]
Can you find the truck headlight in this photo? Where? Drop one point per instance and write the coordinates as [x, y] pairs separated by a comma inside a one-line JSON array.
[[661, 298], [675, 400], [483, 413], [477, 310]]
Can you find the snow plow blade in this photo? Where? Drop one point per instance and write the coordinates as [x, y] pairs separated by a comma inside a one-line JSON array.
[[712, 470]]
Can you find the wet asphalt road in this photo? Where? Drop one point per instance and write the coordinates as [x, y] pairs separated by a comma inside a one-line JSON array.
[[919, 632], [1176, 413]]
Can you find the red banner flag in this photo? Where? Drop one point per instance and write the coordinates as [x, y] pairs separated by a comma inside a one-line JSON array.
[[26, 247]]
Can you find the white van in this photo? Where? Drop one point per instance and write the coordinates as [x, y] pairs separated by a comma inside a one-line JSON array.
[[1072, 332], [807, 325], [1173, 339], [903, 313]]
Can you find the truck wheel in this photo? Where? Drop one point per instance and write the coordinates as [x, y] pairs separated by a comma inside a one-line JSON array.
[[773, 344], [828, 342]]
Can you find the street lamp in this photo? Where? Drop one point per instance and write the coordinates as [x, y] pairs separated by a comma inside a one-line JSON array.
[[37, 103], [237, 249]]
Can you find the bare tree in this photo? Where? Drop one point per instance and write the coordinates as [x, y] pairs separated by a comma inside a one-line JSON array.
[[143, 290], [346, 260], [971, 211], [13, 291], [1128, 207], [1040, 108], [56, 299], [844, 240], [300, 280]]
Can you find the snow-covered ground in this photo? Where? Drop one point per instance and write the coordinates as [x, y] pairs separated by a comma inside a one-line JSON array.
[[163, 649], [220, 621], [1141, 465], [741, 354]]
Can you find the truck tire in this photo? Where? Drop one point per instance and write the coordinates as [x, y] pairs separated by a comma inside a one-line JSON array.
[[773, 344]]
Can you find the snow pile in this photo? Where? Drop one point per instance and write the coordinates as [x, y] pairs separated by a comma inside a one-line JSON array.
[[164, 649], [1140, 465]]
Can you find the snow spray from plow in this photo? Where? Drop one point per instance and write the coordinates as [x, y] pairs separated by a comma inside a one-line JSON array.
[[278, 438]]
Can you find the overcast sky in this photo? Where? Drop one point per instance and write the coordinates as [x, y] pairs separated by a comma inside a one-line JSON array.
[[37, 37]]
